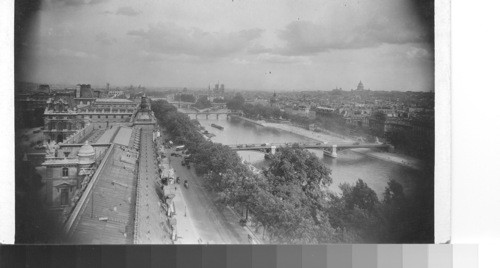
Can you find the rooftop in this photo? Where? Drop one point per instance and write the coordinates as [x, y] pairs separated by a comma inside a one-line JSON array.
[[123, 136], [108, 215], [114, 100]]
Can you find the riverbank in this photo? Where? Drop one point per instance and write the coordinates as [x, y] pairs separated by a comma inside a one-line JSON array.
[[402, 160], [259, 123]]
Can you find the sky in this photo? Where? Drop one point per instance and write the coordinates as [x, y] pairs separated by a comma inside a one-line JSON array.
[[245, 44]]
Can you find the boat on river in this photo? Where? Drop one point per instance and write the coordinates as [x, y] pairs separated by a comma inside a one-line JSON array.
[[217, 126]]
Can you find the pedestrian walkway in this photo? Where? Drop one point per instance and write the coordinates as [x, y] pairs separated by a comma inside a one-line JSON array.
[[186, 232]]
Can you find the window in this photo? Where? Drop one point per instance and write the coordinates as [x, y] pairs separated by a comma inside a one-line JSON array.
[[65, 172]]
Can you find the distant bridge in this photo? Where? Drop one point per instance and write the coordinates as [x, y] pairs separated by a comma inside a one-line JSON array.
[[217, 113], [331, 148]]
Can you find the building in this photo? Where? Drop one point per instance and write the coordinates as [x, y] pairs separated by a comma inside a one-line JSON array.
[[29, 109], [67, 168], [144, 117], [44, 88], [65, 113], [274, 100], [360, 87]]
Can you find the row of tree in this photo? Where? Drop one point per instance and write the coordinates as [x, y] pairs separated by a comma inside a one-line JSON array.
[[290, 198], [259, 111], [185, 97]]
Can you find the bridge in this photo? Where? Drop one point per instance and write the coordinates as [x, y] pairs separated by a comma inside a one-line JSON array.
[[217, 113], [329, 148], [182, 104]]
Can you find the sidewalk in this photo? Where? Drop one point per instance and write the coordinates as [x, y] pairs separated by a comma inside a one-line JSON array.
[[186, 232], [247, 230]]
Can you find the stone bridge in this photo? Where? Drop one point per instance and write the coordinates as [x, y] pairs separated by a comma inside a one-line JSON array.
[[329, 149], [217, 113]]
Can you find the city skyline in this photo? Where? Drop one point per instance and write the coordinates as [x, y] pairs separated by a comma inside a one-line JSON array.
[[292, 46]]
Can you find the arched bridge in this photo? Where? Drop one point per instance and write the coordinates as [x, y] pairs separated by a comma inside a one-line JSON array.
[[217, 113], [329, 148]]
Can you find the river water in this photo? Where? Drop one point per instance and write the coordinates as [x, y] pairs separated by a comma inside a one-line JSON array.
[[347, 168]]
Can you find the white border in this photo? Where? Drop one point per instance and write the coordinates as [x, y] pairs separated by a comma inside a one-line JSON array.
[[7, 190], [442, 172]]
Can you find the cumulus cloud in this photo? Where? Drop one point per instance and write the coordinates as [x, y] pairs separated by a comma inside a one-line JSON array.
[[304, 37], [172, 39], [378, 22], [127, 11]]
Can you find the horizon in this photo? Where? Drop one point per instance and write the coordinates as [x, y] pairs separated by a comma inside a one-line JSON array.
[[228, 90]]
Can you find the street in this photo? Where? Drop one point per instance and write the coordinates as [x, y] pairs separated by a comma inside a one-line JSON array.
[[213, 226]]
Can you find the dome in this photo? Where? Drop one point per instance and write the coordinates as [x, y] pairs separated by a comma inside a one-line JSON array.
[[86, 150]]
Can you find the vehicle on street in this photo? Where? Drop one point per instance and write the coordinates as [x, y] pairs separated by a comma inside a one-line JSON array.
[[180, 148]]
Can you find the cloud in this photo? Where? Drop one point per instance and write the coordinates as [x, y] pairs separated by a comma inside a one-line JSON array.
[[104, 39], [64, 3], [371, 24], [304, 37], [417, 53], [127, 11], [172, 39], [281, 59], [68, 53]]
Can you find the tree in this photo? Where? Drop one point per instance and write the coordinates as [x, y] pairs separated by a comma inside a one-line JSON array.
[[292, 202], [360, 196], [203, 103], [185, 97], [236, 103]]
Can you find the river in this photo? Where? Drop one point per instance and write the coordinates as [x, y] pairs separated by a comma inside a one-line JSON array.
[[347, 168]]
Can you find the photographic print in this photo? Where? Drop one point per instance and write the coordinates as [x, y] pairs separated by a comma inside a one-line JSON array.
[[224, 122]]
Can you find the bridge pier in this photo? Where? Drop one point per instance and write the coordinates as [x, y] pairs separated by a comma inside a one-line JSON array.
[[217, 115], [207, 115], [330, 151], [273, 149]]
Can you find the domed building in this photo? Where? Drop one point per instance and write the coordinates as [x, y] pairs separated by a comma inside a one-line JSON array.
[[360, 87], [86, 155]]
